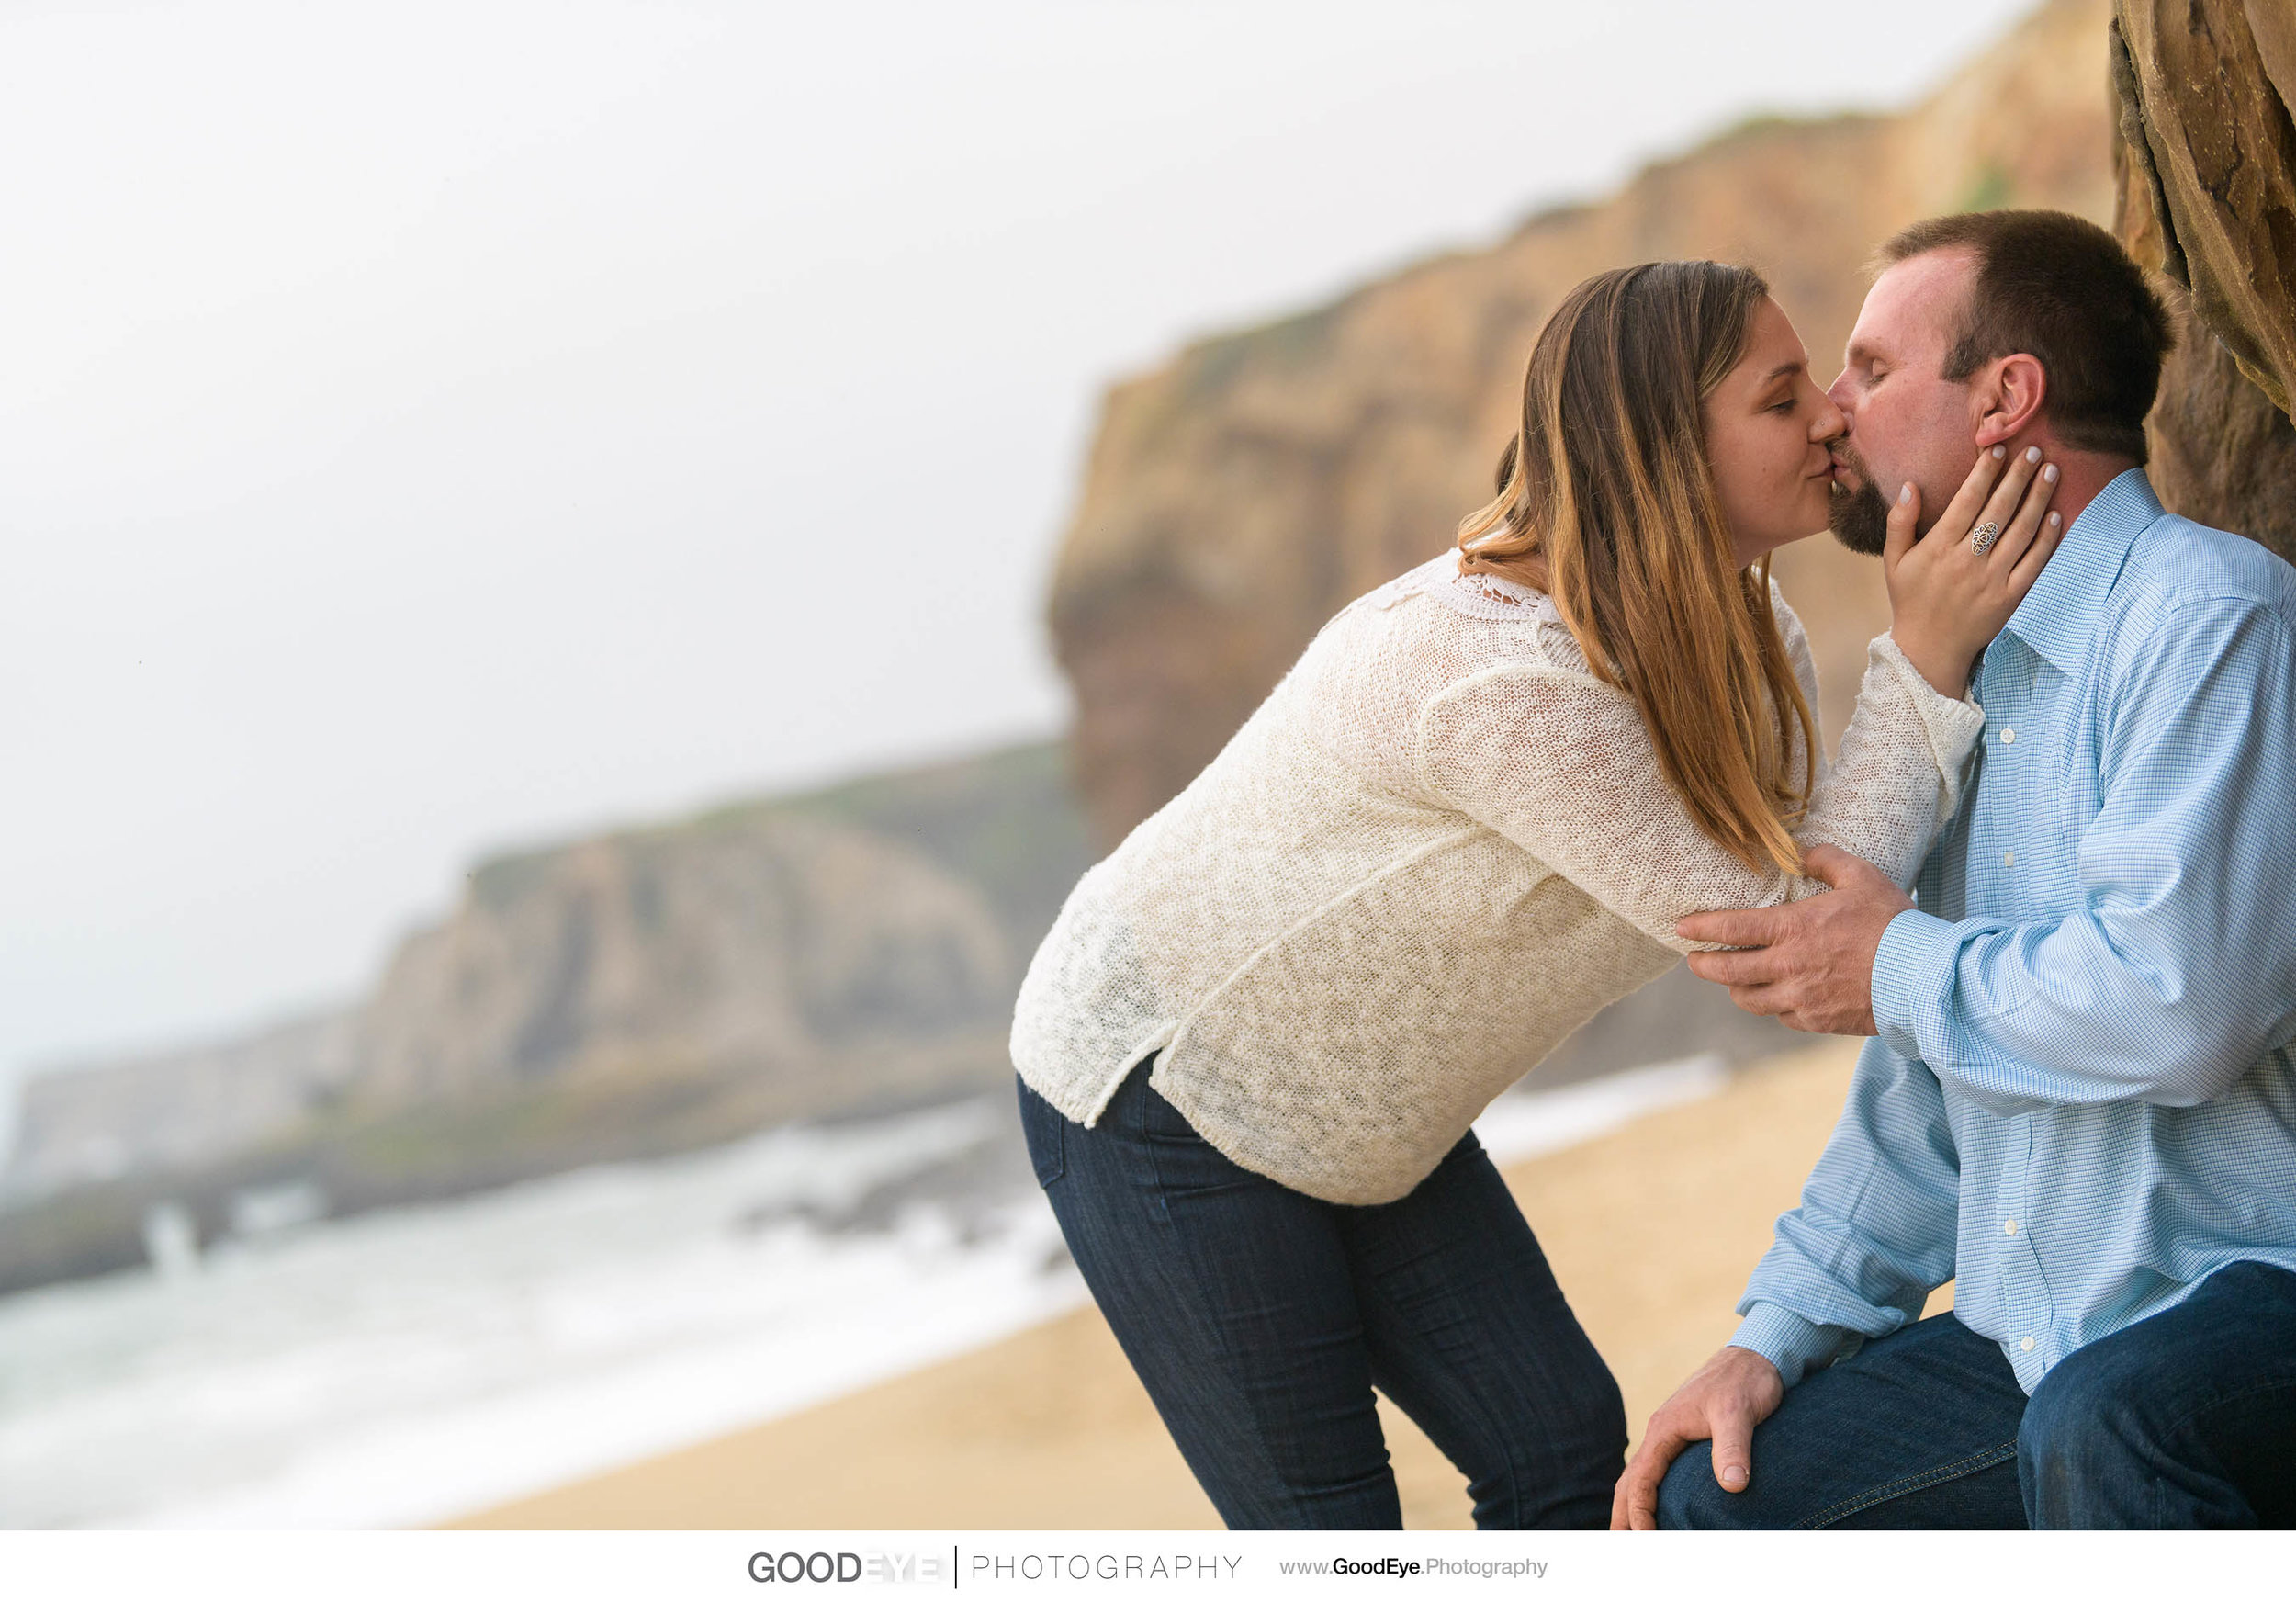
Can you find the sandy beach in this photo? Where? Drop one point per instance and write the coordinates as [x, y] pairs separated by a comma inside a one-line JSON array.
[[1651, 1230]]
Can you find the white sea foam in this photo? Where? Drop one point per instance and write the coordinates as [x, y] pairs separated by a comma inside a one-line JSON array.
[[404, 1367], [1525, 1123]]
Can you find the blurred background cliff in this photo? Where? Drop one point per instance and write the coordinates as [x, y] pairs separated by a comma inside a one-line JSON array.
[[842, 956]]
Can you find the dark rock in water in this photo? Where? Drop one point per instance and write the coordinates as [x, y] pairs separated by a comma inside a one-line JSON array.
[[969, 1188]]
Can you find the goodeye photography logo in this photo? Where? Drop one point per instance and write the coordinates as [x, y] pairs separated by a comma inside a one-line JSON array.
[[820, 1568]]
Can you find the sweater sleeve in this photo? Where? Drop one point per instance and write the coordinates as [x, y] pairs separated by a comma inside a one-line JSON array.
[[1561, 763]]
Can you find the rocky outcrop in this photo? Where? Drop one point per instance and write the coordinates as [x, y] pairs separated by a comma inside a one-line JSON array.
[[2206, 163], [760, 940], [795, 957], [1238, 496], [179, 1107]]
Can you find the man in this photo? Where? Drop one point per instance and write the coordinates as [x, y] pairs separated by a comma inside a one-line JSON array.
[[2081, 1107]]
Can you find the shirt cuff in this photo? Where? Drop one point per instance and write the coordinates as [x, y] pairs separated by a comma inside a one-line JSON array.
[[1792, 1342], [1909, 971]]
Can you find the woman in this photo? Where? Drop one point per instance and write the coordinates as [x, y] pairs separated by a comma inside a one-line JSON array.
[[1251, 1045]]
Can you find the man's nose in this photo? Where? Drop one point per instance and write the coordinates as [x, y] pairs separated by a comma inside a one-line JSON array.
[[1840, 395], [1830, 421]]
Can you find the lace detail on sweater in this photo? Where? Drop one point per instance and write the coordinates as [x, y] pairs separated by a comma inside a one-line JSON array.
[[1474, 594]]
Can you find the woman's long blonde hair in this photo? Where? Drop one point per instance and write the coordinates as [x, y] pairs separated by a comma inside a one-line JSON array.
[[1605, 502]]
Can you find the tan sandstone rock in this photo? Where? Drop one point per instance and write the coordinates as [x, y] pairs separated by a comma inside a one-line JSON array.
[[2206, 164], [1241, 495]]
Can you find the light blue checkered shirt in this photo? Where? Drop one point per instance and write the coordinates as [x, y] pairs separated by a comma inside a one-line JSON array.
[[2083, 1098]]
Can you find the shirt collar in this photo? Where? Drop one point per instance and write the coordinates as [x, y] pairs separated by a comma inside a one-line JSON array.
[[2062, 609]]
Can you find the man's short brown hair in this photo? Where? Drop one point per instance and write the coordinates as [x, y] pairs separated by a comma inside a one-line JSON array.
[[2060, 290]]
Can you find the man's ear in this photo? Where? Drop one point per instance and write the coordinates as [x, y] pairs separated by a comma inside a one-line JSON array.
[[2007, 395]]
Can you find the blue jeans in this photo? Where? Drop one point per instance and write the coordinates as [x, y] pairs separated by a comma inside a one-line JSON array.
[[2183, 1421], [1260, 1319]]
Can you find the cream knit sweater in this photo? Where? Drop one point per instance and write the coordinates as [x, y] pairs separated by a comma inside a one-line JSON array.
[[1438, 847]]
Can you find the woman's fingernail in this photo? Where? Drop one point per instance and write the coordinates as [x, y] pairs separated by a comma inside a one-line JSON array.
[[2053, 520], [2049, 474], [1733, 1476], [1905, 493], [2032, 453], [1999, 451]]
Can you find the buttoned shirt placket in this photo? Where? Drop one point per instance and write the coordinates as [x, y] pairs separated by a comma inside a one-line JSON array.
[[2003, 682], [2080, 1102]]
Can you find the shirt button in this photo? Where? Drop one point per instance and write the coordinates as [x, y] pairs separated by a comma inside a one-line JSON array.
[[2008, 737], [2008, 859], [2009, 1226], [2026, 1343]]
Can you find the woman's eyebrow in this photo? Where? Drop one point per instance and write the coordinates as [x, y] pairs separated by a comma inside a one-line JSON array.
[[1784, 369]]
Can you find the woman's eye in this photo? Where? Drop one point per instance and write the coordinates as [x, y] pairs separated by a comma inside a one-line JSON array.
[[1785, 405]]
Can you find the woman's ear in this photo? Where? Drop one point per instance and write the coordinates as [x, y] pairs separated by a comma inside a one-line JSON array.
[[2008, 396]]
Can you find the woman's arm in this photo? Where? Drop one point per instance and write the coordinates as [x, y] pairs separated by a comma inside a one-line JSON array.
[[1562, 764]]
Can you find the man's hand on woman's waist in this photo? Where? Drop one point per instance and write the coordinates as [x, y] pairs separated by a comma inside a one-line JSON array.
[[1808, 963]]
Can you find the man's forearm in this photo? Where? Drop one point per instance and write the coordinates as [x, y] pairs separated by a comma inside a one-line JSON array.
[[1873, 1234], [2020, 1016]]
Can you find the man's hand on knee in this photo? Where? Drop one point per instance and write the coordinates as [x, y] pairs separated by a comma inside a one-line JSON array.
[[1722, 1401]]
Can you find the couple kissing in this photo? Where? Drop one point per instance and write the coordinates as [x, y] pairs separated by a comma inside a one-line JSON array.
[[1521, 780]]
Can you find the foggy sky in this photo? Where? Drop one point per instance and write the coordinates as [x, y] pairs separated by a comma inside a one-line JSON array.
[[430, 428]]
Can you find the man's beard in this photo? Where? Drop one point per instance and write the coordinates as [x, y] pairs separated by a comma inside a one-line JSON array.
[[1859, 517]]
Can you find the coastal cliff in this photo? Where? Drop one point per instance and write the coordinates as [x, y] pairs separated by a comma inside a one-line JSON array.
[[821, 955], [770, 942], [1239, 495], [857, 949]]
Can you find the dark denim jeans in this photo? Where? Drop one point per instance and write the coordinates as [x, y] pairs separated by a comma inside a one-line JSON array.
[[1260, 1319], [2183, 1421]]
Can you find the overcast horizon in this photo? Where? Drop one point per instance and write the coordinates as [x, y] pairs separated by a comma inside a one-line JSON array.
[[436, 431]]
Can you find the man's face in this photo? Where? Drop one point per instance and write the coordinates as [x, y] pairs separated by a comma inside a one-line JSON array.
[[1906, 422]]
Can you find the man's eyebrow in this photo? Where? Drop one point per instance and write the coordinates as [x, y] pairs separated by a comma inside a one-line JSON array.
[[1859, 351]]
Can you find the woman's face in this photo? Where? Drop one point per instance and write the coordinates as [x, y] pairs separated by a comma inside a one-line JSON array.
[[1767, 428]]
